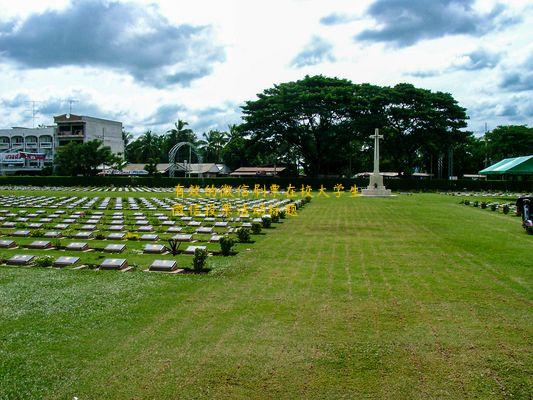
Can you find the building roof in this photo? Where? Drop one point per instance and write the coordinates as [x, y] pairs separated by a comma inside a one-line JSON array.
[[194, 168], [512, 166], [252, 171], [139, 167], [474, 176], [204, 168], [80, 118], [367, 174]]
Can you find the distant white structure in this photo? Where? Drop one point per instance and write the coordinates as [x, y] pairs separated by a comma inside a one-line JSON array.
[[81, 128], [31, 149], [376, 187], [207, 170], [25, 149], [258, 171]]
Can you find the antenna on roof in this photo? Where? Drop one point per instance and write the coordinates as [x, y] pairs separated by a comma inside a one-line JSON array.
[[70, 102], [33, 110]]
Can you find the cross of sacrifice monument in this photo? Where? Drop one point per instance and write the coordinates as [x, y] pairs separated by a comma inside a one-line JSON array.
[[376, 187]]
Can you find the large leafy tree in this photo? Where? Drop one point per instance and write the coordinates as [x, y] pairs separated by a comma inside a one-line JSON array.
[[509, 141], [305, 122], [323, 124], [421, 127], [235, 153], [83, 158]]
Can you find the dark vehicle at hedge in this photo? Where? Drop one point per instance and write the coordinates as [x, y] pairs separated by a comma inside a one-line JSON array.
[[523, 208]]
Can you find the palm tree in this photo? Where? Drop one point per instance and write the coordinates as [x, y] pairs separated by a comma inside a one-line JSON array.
[[180, 133], [149, 145], [126, 137], [212, 145]]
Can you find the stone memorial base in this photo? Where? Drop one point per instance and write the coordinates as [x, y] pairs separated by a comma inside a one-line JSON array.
[[379, 192]]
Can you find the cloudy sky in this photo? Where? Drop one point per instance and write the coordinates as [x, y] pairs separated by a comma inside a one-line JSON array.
[[149, 63]]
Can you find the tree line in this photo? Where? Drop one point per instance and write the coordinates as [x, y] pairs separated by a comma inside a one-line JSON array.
[[320, 126]]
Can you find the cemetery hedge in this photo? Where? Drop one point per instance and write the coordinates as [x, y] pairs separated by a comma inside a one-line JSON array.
[[394, 184]]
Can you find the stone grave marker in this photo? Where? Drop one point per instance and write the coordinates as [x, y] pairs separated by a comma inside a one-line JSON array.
[[65, 261], [163, 265]]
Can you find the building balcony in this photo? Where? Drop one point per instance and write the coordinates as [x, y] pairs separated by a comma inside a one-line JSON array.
[[46, 145], [66, 134], [4, 145], [31, 144]]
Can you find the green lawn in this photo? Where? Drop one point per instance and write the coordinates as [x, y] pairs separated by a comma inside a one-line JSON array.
[[413, 297]]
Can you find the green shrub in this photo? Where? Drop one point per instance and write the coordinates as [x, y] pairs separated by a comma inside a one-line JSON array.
[[267, 221], [226, 244], [493, 207], [256, 228], [467, 202], [506, 209], [243, 234], [99, 236], [483, 205], [200, 259], [476, 203], [132, 236], [282, 214], [44, 261], [275, 217], [37, 233]]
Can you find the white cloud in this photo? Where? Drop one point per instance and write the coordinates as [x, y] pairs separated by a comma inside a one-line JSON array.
[[260, 39]]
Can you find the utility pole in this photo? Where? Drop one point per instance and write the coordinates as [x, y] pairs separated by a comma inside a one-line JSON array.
[[450, 162], [486, 148]]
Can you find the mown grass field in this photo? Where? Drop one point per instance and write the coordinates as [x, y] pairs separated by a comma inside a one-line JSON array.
[[413, 297]]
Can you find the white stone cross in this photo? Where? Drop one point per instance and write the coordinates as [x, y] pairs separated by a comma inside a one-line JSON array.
[[376, 136], [376, 187]]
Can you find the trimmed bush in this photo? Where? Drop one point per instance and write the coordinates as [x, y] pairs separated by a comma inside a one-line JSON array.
[[256, 228], [132, 236], [37, 233], [243, 234], [44, 261], [200, 259], [506, 209], [493, 207], [267, 221], [483, 205], [282, 214], [226, 244]]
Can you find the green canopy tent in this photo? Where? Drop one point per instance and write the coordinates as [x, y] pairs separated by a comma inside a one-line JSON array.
[[511, 166]]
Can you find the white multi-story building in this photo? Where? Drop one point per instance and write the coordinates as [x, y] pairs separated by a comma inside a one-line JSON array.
[[81, 128], [31, 149]]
